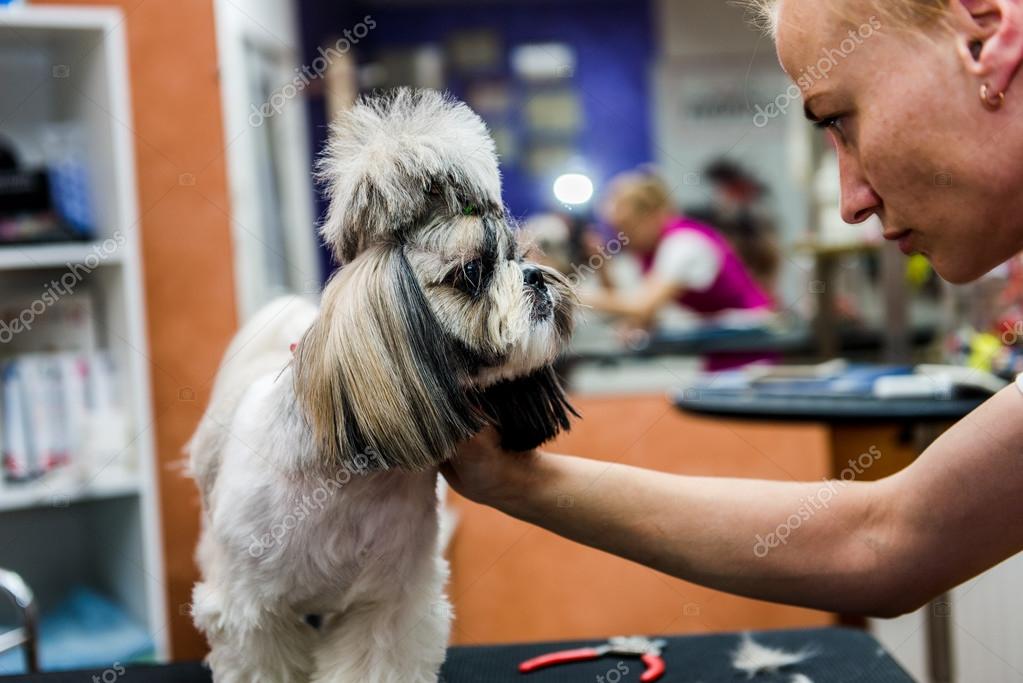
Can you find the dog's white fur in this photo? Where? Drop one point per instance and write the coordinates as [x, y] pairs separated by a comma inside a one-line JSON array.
[[318, 475]]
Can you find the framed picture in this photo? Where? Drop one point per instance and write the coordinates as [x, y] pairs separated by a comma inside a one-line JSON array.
[[476, 51], [553, 111]]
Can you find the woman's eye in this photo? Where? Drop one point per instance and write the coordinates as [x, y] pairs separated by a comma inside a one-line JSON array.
[[829, 122], [835, 124]]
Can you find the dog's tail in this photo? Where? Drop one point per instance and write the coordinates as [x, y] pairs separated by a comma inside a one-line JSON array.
[[261, 346]]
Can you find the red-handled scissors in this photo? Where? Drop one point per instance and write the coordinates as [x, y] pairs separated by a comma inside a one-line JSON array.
[[648, 651]]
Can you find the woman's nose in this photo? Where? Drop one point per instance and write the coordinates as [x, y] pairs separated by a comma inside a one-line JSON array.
[[859, 201]]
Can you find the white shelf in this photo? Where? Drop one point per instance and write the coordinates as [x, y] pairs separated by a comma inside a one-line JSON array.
[[64, 489], [27, 18], [72, 63], [55, 255]]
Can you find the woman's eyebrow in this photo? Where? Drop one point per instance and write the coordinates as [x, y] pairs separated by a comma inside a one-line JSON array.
[[807, 111], [809, 114]]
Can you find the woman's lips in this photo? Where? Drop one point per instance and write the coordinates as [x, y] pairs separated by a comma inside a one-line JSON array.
[[904, 238]]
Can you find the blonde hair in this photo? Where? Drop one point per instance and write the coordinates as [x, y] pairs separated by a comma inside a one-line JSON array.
[[644, 192], [896, 12]]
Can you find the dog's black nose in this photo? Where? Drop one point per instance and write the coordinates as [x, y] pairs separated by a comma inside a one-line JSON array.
[[533, 277]]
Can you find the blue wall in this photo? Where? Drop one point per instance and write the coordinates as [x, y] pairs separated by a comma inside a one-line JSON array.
[[614, 45]]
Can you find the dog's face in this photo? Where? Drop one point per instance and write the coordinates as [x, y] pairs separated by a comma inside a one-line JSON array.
[[437, 323], [510, 316]]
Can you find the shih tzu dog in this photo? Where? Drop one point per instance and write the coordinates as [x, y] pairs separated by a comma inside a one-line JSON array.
[[317, 463]]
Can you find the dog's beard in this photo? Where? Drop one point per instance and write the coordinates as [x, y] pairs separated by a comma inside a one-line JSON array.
[[528, 411], [524, 398], [510, 336]]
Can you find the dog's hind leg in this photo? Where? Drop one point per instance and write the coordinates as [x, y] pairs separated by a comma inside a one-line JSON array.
[[252, 645], [400, 640]]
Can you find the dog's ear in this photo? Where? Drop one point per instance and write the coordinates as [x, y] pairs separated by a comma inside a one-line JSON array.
[[376, 375], [528, 411]]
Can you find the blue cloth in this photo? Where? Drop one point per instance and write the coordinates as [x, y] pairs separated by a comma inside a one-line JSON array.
[[856, 381], [85, 630], [69, 191]]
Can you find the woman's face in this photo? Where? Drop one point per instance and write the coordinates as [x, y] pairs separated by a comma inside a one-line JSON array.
[[915, 144], [643, 228]]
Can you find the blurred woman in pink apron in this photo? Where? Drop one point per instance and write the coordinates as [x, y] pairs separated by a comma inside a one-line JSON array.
[[682, 260]]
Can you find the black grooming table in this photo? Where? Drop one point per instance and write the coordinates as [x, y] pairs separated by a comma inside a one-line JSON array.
[[752, 405], [843, 656], [796, 342]]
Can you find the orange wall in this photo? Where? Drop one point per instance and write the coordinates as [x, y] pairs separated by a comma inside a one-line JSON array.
[[187, 254]]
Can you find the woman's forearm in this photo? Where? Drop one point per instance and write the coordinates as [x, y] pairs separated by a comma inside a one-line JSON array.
[[809, 544], [641, 307], [614, 304]]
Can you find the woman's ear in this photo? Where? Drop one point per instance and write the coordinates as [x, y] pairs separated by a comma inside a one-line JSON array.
[[376, 376], [989, 35]]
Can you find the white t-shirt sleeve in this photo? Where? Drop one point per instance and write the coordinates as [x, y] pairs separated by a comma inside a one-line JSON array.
[[1019, 382], [689, 260]]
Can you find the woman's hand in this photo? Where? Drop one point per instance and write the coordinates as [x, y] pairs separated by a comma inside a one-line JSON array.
[[484, 472]]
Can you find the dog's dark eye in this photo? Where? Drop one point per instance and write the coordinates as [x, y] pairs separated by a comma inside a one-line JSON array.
[[469, 210], [469, 277]]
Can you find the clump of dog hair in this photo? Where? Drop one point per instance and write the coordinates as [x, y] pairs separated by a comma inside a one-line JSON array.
[[753, 659]]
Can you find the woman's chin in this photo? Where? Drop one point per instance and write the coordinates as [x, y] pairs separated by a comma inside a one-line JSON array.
[[955, 270]]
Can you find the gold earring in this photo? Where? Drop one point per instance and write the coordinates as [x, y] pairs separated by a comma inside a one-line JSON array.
[[991, 103]]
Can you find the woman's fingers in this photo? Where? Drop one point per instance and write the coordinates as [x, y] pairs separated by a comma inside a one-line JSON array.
[[481, 470]]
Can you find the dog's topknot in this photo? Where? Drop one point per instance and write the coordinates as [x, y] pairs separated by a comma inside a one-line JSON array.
[[390, 155]]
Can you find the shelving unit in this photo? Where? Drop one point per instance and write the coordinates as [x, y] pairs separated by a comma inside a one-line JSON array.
[[57, 255], [95, 528], [64, 491]]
